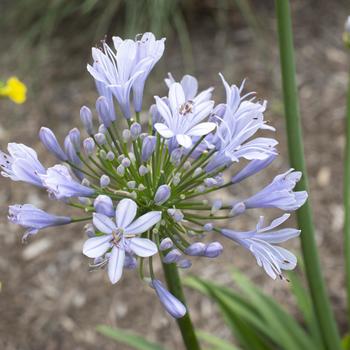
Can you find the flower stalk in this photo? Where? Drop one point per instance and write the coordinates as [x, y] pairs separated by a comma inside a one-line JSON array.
[[311, 258], [173, 281]]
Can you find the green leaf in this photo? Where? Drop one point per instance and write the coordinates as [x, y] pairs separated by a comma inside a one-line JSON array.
[[128, 338], [217, 343], [346, 342]]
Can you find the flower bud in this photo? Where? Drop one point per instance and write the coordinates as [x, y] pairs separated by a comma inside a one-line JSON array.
[[184, 264], [210, 182], [131, 184], [162, 194], [213, 250], [135, 130], [176, 179], [238, 208], [166, 244], [74, 136], [86, 119], [217, 204], [110, 156], [171, 304], [104, 205], [104, 180], [126, 162], [103, 111], [100, 138], [176, 156], [172, 257], [89, 146], [90, 230], [143, 170], [126, 135], [197, 172], [120, 158], [130, 262], [120, 170], [208, 227], [195, 249], [102, 129], [141, 187], [148, 146], [102, 153], [131, 156], [156, 116], [176, 214], [85, 182], [49, 140]]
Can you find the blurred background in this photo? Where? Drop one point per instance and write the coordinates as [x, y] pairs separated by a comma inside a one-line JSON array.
[[49, 300]]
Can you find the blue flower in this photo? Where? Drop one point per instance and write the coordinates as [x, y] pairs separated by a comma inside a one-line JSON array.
[[122, 236], [60, 184], [21, 164], [183, 119], [34, 219], [260, 242]]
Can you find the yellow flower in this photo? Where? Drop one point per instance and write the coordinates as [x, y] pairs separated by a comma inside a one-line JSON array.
[[14, 89]]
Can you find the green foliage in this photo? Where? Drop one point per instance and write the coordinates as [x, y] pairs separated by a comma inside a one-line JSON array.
[[127, 338], [256, 320]]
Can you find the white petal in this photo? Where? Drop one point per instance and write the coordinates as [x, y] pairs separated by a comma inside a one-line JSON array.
[[116, 264], [184, 140], [126, 212], [144, 222], [163, 109], [143, 247], [103, 223], [190, 86], [96, 246], [163, 130], [201, 129], [176, 97]]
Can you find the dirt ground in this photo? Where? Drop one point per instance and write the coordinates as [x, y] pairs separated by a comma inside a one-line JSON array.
[[49, 300]]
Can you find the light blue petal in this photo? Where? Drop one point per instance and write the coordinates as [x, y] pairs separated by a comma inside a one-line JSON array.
[[144, 223]]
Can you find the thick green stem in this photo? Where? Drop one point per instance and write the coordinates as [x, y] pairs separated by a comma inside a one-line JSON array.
[[316, 284], [347, 201], [185, 324]]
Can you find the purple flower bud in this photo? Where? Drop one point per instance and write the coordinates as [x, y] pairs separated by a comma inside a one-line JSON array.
[[176, 155], [156, 116], [104, 180], [213, 250], [49, 140], [130, 262], [166, 244], [89, 146], [103, 111], [120, 170], [238, 208], [172, 257], [135, 130], [184, 264], [90, 230], [131, 184], [162, 194], [148, 146], [126, 135], [110, 156], [126, 162], [143, 170], [195, 249], [102, 129], [74, 136], [217, 204], [210, 182], [104, 205], [86, 119], [100, 138], [176, 214], [73, 157], [171, 304], [197, 172], [208, 227]]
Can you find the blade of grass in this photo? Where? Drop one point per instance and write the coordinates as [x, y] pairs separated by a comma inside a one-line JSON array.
[[127, 338], [217, 343], [317, 287]]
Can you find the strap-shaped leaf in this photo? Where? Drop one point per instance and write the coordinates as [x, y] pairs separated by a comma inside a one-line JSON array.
[[128, 338]]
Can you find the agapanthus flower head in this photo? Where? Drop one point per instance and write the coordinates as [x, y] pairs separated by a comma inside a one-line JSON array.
[[143, 190]]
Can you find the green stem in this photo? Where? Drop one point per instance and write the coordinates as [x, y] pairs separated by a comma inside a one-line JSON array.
[[316, 283], [347, 200], [185, 324]]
